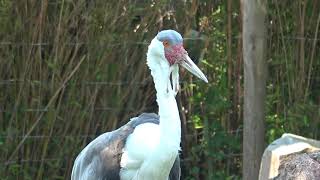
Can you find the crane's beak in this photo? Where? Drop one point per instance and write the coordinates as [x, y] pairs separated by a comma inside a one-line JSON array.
[[187, 63]]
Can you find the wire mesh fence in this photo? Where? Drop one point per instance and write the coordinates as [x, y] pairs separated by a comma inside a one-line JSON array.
[[88, 138], [48, 118], [11, 82]]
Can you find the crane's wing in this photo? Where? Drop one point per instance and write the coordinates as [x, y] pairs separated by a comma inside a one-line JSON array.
[[100, 159], [175, 172]]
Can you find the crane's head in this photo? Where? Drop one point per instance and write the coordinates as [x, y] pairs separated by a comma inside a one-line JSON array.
[[166, 51]]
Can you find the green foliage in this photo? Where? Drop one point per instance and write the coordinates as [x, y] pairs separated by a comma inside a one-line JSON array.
[[218, 146], [292, 103], [298, 119], [218, 156]]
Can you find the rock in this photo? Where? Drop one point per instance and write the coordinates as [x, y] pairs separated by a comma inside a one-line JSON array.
[[300, 166], [286, 145]]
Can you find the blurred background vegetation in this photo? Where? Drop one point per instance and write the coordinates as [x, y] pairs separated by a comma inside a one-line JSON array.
[[73, 69]]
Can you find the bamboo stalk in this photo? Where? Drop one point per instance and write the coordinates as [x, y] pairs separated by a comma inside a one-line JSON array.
[[47, 106], [306, 92]]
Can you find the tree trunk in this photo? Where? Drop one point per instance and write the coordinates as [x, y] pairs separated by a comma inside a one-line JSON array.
[[254, 53]]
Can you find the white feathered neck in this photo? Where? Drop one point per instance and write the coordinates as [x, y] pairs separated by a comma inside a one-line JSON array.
[[168, 111], [170, 127], [151, 150]]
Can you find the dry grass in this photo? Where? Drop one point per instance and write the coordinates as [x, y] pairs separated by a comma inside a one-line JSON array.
[[70, 70]]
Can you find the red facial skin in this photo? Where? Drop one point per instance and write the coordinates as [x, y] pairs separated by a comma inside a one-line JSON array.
[[175, 53]]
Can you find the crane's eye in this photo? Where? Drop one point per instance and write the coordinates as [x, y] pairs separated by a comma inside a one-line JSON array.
[[165, 44]]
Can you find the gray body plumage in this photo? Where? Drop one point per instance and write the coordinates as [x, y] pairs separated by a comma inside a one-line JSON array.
[[100, 159]]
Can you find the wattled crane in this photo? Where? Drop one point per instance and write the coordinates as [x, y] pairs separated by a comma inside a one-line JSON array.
[[147, 147]]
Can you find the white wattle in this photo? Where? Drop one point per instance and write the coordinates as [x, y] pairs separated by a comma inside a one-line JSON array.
[[151, 149]]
